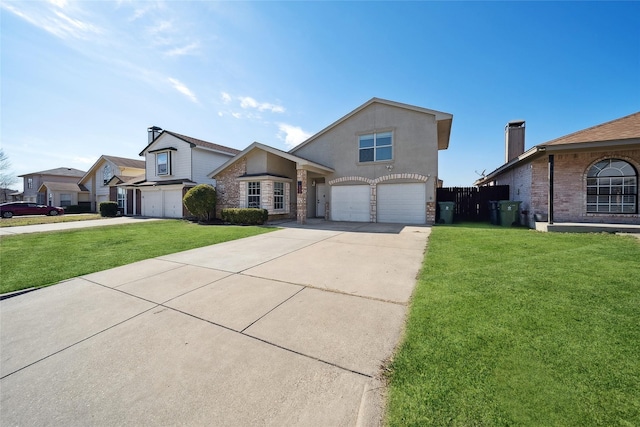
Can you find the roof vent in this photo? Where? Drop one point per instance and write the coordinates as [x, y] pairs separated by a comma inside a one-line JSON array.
[[153, 132], [513, 139]]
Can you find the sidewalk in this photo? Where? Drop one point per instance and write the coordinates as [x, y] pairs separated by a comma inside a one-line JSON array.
[[39, 228], [285, 328]]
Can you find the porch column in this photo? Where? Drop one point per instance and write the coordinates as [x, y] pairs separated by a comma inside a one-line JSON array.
[[301, 189], [550, 213]]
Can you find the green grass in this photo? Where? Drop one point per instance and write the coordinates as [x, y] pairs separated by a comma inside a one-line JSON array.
[[40, 259], [512, 327], [33, 220]]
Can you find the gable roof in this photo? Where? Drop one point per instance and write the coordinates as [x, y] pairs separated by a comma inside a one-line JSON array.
[[64, 186], [58, 172], [620, 132], [623, 128], [118, 161], [443, 121], [125, 163], [258, 146], [194, 142]]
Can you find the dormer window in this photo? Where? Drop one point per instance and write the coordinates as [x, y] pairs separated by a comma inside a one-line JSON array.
[[107, 174], [163, 163]]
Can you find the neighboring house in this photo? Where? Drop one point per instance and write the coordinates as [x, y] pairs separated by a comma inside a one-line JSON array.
[[101, 182], [379, 163], [34, 191], [9, 195], [174, 164], [591, 175]]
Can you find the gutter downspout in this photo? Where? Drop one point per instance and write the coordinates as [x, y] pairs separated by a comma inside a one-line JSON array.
[[550, 214]]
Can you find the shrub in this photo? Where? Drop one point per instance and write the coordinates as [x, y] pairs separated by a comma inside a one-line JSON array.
[[246, 216], [73, 209], [109, 209], [201, 201]]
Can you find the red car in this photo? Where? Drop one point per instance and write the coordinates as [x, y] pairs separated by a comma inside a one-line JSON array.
[[28, 208]]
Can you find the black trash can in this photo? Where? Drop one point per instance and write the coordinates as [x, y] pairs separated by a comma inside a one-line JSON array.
[[494, 215]]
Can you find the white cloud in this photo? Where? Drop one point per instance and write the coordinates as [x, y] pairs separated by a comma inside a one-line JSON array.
[[59, 3], [226, 98], [183, 89], [249, 102], [292, 135], [185, 50], [52, 20], [237, 115]]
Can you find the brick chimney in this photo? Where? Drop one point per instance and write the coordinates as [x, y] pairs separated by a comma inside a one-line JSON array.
[[513, 139]]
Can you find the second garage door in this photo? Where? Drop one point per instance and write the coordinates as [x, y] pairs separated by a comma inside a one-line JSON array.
[[173, 204], [402, 203], [350, 203]]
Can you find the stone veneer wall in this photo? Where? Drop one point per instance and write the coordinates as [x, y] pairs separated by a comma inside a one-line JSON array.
[[301, 175], [570, 186], [228, 189]]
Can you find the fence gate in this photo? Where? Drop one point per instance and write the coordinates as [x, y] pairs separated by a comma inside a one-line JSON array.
[[472, 203]]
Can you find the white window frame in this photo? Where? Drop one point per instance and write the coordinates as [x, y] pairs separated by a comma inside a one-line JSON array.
[[253, 194], [612, 189], [167, 165], [30, 183], [64, 198], [121, 195], [279, 198], [379, 144]]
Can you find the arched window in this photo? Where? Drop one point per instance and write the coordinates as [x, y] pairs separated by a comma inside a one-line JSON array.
[[612, 187], [106, 173]]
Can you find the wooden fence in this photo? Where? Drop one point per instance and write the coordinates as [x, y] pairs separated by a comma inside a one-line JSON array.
[[472, 203]]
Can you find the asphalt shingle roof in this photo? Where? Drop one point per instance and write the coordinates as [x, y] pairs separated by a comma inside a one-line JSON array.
[[627, 127]]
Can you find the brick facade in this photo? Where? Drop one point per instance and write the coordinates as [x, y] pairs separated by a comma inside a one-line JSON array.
[[228, 188], [570, 186]]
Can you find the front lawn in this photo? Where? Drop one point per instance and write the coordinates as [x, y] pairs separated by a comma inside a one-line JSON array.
[[39, 259], [516, 327], [17, 221]]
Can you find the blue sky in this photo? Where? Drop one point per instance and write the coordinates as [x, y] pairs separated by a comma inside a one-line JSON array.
[[82, 79]]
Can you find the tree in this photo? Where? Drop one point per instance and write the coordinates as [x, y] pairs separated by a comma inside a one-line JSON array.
[[201, 201], [7, 178]]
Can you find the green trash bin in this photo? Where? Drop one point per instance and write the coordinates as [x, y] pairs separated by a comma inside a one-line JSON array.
[[509, 212], [446, 212]]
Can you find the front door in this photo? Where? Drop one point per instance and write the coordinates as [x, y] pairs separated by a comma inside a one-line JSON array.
[[321, 198]]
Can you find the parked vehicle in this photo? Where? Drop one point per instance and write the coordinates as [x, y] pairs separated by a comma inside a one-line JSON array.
[[7, 210]]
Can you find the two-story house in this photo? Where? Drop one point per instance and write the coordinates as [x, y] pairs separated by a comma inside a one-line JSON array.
[[378, 163], [174, 164], [54, 187], [102, 178]]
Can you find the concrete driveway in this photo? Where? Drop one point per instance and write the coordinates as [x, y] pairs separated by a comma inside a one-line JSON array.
[[286, 328]]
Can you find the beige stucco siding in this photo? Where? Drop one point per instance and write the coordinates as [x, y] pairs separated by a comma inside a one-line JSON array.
[[256, 162], [415, 149], [415, 146]]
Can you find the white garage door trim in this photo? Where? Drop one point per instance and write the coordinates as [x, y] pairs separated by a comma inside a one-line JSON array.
[[173, 204], [402, 203], [152, 203], [350, 203]]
